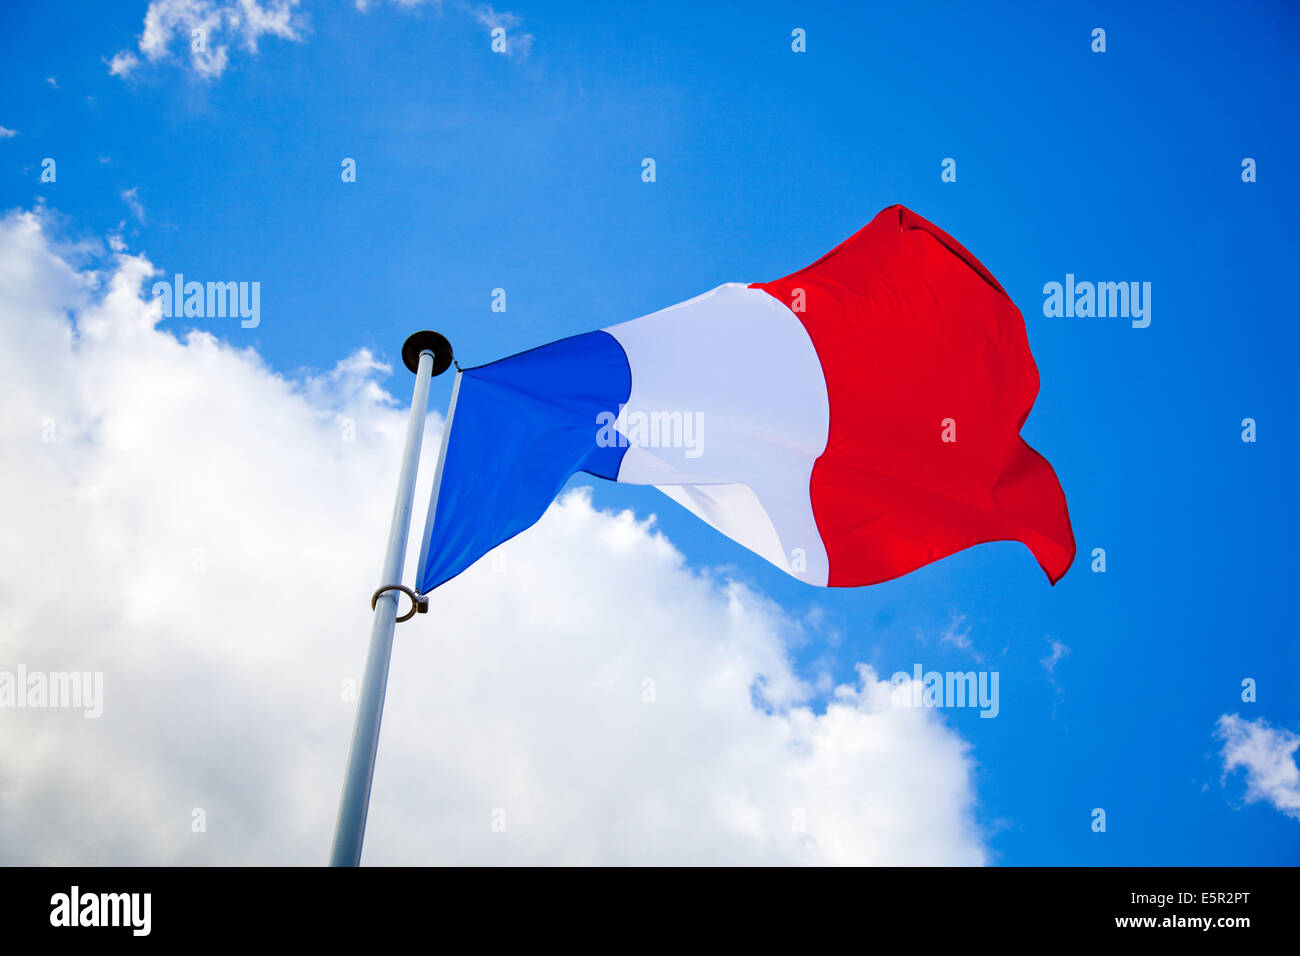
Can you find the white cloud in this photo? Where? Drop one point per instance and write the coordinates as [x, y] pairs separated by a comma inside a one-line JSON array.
[[123, 63], [132, 199], [53, 83], [955, 633], [170, 26], [1267, 754], [205, 30], [1059, 650], [518, 43], [7, 133], [365, 5], [197, 528]]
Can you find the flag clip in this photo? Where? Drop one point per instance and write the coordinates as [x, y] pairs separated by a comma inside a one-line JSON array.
[[419, 602]]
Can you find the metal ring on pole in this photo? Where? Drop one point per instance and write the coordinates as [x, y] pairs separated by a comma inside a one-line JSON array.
[[419, 602]]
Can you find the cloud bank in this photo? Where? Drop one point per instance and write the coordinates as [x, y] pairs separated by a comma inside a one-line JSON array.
[[206, 533]]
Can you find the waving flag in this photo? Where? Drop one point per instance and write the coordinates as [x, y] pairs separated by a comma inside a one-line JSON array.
[[849, 423]]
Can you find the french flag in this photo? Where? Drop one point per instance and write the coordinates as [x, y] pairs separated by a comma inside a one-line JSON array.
[[849, 423]]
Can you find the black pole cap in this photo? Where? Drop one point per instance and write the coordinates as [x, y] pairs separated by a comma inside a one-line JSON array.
[[426, 341]]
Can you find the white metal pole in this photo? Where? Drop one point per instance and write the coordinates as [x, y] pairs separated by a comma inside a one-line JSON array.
[[351, 826]]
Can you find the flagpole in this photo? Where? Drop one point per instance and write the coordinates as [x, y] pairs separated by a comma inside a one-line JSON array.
[[426, 354]]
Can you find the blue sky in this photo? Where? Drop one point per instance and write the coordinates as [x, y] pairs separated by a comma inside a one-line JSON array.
[[477, 170]]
